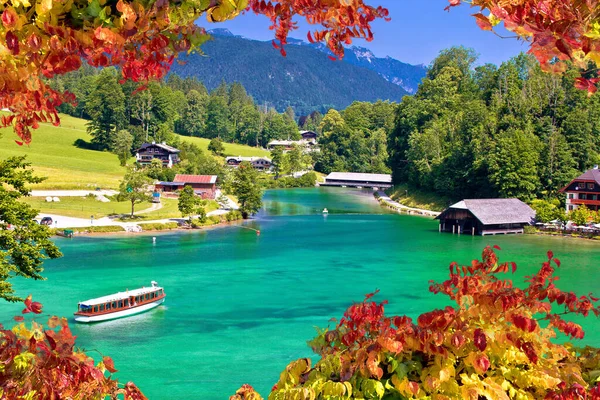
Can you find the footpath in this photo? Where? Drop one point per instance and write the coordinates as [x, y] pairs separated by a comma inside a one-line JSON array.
[[386, 201], [61, 221]]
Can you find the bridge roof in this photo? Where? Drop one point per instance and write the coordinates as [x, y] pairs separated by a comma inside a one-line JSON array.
[[359, 177]]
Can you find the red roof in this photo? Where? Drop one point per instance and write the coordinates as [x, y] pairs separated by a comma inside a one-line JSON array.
[[195, 178]]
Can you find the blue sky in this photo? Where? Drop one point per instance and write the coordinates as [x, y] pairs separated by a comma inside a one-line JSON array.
[[419, 29]]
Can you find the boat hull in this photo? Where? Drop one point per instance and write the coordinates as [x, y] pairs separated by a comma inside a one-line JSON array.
[[119, 314]]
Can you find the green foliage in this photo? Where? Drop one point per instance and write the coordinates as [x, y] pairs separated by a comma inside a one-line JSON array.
[[307, 180], [24, 244], [581, 215], [278, 161], [509, 131], [121, 145], [97, 229], [546, 211], [134, 188], [356, 139], [158, 226], [216, 147], [189, 204], [106, 106], [244, 187]]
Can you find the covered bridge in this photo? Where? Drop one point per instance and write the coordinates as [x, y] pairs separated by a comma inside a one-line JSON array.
[[486, 217], [355, 179]]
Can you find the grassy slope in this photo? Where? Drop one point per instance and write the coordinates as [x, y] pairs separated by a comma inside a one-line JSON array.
[[411, 197], [231, 149], [53, 154]]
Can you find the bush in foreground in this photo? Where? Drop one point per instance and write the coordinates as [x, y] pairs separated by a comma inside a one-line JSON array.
[[41, 362], [495, 343]]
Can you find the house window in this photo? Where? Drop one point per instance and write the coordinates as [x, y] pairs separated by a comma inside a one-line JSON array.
[[590, 185], [582, 196], [570, 195], [593, 197], [570, 208]]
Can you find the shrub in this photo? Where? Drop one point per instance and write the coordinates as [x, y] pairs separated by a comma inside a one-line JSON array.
[[97, 229], [42, 362], [159, 226], [495, 343]]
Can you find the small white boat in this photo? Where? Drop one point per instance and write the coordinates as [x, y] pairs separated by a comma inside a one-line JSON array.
[[325, 211], [119, 305]]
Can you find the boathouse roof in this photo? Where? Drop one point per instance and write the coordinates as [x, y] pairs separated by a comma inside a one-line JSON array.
[[181, 178], [359, 177], [495, 211]]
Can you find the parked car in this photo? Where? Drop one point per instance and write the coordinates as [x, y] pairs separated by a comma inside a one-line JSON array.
[[46, 221]]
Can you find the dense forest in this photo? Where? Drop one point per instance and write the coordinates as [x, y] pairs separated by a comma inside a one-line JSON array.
[[180, 105], [487, 131]]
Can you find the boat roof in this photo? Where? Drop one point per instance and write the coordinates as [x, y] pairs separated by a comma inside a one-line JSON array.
[[119, 296]]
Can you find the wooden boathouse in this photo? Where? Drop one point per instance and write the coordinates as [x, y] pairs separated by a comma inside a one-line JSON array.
[[486, 217]]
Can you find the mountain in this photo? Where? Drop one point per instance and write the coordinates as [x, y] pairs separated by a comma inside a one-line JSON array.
[[305, 79], [405, 75]]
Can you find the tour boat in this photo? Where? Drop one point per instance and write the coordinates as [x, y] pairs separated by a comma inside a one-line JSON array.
[[325, 211], [119, 305]]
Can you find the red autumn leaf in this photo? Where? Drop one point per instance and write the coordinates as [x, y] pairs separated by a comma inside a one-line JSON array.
[[480, 340], [514, 266], [30, 306], [19, 318], [497, 247], [109, 364], [483, 22], [19, 143], [12, 42], [9, 17], [481, 364], [550, 254]]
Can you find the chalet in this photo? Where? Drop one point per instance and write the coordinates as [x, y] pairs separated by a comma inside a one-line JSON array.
[[259, 163], [354, 179], [161, 151], [204, 186], [309, 135], [584, 190], [486, 217]]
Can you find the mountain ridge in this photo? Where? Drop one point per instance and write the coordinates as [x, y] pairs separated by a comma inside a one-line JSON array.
[[305, 79]]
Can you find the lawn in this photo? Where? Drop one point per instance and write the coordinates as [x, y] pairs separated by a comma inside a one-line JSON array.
[[83, 207], [231, 149], [53, 154]]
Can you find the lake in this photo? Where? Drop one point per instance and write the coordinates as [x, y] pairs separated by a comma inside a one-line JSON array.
[[240, 307]]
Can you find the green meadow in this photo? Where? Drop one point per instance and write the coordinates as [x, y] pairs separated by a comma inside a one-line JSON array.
[[53, 153]]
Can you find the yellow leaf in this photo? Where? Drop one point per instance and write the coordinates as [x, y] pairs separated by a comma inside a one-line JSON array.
[[23, 361]]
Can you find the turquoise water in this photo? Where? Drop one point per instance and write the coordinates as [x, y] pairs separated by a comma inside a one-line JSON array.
[[240, 307]]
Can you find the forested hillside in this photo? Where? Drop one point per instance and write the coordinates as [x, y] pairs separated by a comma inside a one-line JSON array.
[[494, 131], [306, 79], [155, 111]]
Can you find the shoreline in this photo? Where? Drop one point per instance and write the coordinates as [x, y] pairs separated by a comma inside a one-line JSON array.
[[386, 201], [149, 232]]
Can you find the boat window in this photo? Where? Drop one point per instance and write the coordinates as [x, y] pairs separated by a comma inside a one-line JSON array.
[[95, 308], [101, 307], [126, 302], [108, 306], [114, 304], [152, 295], [120, 303]]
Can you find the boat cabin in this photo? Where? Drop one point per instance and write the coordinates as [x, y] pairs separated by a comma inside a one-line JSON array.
[[120, 301]]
